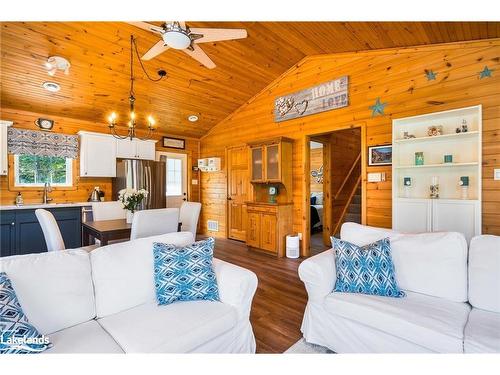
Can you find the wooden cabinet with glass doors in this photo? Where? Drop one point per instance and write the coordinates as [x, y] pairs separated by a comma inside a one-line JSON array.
[[269, 217]]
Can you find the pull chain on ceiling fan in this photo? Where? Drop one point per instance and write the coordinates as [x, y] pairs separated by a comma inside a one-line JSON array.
[[177, 35]]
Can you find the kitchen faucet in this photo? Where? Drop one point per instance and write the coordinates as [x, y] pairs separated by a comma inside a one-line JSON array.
[[46, 190]]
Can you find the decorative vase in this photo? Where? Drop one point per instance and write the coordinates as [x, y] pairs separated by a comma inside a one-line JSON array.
[[130, 217]]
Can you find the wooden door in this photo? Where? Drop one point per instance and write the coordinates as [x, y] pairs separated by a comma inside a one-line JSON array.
[[237, 192], [253, 229], [268, 232]]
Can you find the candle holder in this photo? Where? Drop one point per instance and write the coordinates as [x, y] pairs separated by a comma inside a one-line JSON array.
[[434, 188]]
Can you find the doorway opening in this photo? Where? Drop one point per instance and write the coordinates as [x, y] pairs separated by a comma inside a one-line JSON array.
[[334, 184], [176, 177]]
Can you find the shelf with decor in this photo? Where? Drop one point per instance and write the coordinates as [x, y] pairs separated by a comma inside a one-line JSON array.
[[436, 172]]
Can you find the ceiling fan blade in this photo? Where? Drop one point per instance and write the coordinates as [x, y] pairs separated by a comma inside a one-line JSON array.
[[148, 27], [154, 51], [214, 35], [198, 54]]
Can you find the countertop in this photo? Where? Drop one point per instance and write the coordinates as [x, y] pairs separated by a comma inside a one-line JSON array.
[[33, 206]]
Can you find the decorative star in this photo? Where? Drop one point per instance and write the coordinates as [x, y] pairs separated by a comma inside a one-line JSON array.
[[486, 72], [377, 108], [431, 76]]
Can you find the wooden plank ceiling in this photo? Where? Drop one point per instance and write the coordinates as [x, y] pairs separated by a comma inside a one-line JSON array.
[[99, 54]]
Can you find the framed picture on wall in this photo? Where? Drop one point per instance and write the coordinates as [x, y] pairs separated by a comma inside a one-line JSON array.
[[178, 143], [380, 155]]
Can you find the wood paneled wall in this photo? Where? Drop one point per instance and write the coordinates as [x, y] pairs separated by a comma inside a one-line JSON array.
[[398, 77], [316, 163], [84, 186]]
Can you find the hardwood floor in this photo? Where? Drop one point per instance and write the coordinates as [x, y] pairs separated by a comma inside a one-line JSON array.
[[316, 243], [280, 300]]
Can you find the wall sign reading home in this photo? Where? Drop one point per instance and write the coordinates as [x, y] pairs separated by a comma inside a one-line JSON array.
[[320, 98]]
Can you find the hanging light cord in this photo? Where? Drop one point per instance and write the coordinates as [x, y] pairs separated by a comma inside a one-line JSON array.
[[142, 66]]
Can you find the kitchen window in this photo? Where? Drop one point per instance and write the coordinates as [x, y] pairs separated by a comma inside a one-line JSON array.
[[35, 171]]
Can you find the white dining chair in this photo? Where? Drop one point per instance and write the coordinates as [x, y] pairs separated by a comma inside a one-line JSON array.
[[112, 210], [51, 231], [189, 215], [149, 223]]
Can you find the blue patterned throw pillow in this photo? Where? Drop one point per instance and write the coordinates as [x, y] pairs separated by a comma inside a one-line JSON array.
[[367, 269], [17, 335], [185, 273]]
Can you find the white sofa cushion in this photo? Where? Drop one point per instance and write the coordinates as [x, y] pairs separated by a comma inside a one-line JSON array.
[[54, 289], [484, 273], [430, 263], [482, 332], [431, 322], [123, 272], [176, 328], [88, 337]]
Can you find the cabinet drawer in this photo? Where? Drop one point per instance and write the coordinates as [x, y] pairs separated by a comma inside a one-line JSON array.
[[263, 209]]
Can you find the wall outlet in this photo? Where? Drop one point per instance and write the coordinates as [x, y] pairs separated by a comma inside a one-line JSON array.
[[496, 174], [300, 236]]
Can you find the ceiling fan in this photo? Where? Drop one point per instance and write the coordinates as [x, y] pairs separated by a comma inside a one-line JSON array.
[[177, 35]]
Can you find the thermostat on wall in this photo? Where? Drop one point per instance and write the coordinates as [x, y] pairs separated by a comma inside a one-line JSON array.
[[376, 177]]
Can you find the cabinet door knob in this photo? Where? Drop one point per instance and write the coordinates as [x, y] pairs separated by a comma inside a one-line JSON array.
[[12, 223]]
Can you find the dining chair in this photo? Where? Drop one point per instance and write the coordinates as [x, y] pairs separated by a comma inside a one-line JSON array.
[[189, 215], [112, 210], [147, 223], [51, 231]]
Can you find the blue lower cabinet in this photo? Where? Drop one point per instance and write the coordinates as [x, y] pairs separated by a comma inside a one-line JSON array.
[[26, 236]]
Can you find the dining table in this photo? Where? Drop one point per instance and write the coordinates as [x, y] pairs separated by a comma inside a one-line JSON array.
[[107, 230]]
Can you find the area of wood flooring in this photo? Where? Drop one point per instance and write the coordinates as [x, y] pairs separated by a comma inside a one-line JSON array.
[[280, 300]]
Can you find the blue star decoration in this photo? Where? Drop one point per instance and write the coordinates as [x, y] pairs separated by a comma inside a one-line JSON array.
[[486, 72], [431, 76], [377, 108]]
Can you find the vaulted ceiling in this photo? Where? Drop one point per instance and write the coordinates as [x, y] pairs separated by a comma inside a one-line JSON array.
[[98, 82]]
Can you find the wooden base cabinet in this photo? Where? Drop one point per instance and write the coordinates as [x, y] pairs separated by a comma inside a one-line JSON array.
[[267, 226]]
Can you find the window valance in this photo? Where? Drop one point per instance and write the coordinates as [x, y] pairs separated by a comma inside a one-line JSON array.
[[34, 142]]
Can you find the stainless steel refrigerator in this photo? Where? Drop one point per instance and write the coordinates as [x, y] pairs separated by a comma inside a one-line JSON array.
[[142, 174]]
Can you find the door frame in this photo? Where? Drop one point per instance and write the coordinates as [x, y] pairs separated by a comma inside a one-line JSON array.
[[306, 185], [187, 162]]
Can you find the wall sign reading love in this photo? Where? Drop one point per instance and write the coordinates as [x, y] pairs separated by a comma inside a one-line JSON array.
[[320, 98]]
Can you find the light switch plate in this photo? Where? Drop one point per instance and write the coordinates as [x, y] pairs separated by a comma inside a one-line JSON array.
[[496, 174], [194, 182], [376, 177]]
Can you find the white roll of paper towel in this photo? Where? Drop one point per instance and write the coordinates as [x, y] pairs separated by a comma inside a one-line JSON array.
[[292, 246]]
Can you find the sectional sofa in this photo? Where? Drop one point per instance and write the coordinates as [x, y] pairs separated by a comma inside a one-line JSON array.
[[452, 302], [104, 302]]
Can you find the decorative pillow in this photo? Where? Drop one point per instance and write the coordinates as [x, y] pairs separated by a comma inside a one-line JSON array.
[[313, 200], [365, 269], [17, 336], [185, 273]]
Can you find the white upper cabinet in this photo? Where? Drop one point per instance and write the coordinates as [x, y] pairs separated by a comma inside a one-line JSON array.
[[146, 150], [4, 165], [97, 155], [135, 149]]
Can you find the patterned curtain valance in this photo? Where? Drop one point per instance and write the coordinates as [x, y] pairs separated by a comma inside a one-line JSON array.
[[34, 142]]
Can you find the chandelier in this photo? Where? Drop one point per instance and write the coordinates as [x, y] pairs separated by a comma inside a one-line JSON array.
[[132, 123]]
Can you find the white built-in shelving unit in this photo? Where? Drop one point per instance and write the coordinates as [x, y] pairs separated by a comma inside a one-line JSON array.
[[413, 209]]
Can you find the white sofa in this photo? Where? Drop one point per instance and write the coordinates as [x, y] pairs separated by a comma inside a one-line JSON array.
[[104, 302], [435, 315]]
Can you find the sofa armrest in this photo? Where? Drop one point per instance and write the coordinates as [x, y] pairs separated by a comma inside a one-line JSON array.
[[318, 275], [236, 285]]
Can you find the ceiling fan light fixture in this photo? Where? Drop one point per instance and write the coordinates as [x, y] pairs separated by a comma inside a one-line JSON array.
[[177, 39], [193, 118]]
